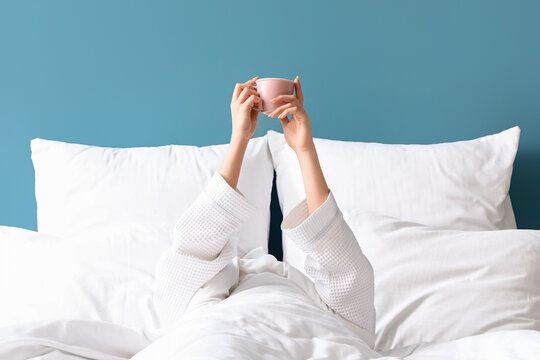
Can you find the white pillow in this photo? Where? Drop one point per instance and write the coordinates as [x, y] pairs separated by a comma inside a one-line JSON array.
[[79, 187], [103, 274], [461, 185], [434, 285]]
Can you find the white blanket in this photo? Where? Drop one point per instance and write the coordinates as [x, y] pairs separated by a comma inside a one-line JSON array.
[[275, 313]]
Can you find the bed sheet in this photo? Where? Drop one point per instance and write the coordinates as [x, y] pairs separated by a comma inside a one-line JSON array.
[[71, 339], [246, 326]]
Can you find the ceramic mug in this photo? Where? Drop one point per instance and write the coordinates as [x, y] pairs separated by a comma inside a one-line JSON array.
[[269, 88]]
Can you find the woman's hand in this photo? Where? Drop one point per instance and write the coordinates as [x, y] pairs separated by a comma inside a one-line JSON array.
[[298, 135], [297, 131], [244, 110], [244, 113]]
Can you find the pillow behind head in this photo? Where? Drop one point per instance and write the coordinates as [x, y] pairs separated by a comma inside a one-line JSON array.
[[434, 285], [459, 185], [79, 187]]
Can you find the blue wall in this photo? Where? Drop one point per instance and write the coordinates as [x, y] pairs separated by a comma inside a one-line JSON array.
[[134, 73]]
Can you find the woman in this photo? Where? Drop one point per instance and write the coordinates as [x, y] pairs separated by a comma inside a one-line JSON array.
[[203, 248]]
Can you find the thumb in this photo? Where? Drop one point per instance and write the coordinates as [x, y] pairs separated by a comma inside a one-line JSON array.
[[284, 122]]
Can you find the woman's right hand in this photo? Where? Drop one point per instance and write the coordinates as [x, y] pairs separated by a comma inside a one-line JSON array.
[[244, 110], [298, 135], [297, 131]]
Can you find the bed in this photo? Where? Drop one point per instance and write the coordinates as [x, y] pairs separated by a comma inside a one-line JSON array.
[[454, 278]]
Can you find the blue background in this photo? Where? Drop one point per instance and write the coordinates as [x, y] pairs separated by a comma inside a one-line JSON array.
[[144, 73]]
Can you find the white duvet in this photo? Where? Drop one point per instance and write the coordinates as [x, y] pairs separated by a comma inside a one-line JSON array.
[[275, 313]]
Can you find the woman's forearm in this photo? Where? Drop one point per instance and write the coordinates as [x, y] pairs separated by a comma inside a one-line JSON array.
[[297, 132], [244, 121], [314, 183], [232, 163]]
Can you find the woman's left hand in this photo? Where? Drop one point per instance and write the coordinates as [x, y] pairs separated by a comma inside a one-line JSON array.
[[244, 110], [297, 131]]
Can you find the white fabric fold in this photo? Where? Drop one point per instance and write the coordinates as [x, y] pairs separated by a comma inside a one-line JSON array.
[[204, 243], [342, 274]]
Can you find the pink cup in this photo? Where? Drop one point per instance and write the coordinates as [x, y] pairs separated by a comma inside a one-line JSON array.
[[269, 88]]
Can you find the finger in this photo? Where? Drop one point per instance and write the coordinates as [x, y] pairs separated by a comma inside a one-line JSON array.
[[240, 86], [284, 122], [243, 95], [237, 89], [252, 81], [250, 101], [288, 111], [280, 109], [284, 98], [298, 90], [246, 93], [258, 106]]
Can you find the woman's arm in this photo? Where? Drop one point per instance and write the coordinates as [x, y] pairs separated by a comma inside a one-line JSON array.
[[298, 134], [314, 183], [202, 244], [342, 274], [244, 115]]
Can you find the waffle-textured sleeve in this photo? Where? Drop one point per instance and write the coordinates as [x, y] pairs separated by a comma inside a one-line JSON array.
[[343, 276], [202, 247]]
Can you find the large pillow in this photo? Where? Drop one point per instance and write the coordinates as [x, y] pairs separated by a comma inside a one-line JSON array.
[[106, 273], [434, 285], [460, 185], [79, 187]]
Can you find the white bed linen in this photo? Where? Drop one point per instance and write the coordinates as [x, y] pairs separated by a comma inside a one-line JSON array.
[[102, 274], [246, 327], [428, 277], [76, 339], [460, 185], [79, 187]]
